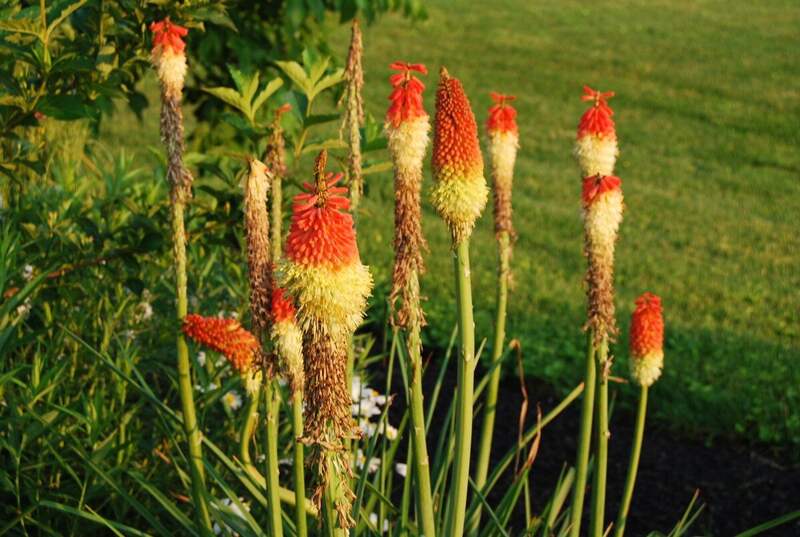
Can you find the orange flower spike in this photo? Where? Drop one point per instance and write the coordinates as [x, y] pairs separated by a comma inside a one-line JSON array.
[[225, 336], [647, 340], [406, 97], [320, 233], [502, 116], [597, 119], [322, 270], [460, 192], [596, 143], [594, 187], [168, 35]]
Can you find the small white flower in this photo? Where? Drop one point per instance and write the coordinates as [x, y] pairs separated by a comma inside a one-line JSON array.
[[201, 358], [285, 462], [25, 308], [142, 312], [211, 387], [220, 363], [261, 458], [130, 335], [401, 468], [355, 388], [361, 461], [373, 519], [367, 427], [27, 273], [232, 400], [199, 389], [389, 432]]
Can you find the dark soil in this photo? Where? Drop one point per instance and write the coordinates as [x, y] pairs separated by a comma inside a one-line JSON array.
[[740, 485]]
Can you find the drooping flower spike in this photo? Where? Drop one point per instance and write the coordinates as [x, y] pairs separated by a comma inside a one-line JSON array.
[[501, 127], [407, 125], [225, 336], [460, 192], [596, 143], [647, 340]]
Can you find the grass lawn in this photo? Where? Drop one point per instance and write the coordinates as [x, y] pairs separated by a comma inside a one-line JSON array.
[[707, 110]]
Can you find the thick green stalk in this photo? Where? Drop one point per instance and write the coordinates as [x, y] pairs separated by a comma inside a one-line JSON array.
[[420, 443], [633, 465], [597, 523], [272, 406], [332, 496], [191, 428], [464, 394], [487, 430], [249, 426], [299, 466], [584, 439]]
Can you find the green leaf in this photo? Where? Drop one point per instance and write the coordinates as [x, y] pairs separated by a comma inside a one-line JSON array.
[[228, 95], [318, 69], [296, 74], [327, 82], [66, 107], [261, 98], [63, 16], [318, 119], [21, 26]]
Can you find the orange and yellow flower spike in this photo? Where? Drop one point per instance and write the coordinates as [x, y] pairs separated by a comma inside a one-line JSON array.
[[407, 125], [596, 143], [168, 55], [647, 340], [225, 336], [460, 192], [501, 127]]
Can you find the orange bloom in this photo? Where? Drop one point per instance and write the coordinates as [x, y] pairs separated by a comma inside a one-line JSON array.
[[321, 232], [282, 306], [406, 97], [597, 119], [456, 151], [502, 116], [225, 336], [168, 35], [647, 327], [596, 185]]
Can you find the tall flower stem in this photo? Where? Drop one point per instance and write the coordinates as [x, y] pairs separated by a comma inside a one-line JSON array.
[[601, 428], [272, 406], [420, 443], [465, 393], [584, 439], [250, 422], [633, 464], [487, 429], [299, 465], [185, 373]]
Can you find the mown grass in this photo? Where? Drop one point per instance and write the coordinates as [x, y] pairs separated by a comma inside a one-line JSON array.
[[706, 110]]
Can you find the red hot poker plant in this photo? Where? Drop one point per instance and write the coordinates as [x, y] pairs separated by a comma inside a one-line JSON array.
[[596, 143], [225, 336], [407, 127], [459, 193], [323, 274], [647, 340]]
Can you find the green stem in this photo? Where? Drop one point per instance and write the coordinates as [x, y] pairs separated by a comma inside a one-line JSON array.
[[487, 429], [272, 406], [464, 394], [332, 496], [191, 428], [584, 439], [299, 466], [633, 464], [420, 443], [249, 426], [597, 523]]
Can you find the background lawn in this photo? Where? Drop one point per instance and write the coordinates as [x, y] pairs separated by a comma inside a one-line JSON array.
[[707, 110]]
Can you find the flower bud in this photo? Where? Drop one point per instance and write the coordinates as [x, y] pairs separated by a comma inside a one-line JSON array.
[[596, 144], [647, 340]]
